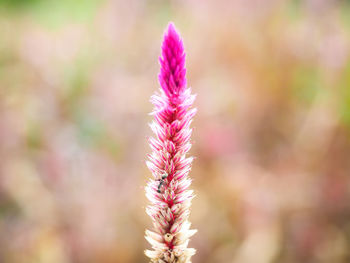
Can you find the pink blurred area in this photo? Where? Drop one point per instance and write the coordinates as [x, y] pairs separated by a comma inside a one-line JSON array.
[[271, 138]]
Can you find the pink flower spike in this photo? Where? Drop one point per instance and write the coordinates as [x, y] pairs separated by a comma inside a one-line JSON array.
[[168, 192]]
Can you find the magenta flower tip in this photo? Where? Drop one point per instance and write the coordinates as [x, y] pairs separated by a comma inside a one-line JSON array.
[[172, 74]]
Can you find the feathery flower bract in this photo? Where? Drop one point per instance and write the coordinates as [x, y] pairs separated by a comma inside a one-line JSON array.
[[168, 191]]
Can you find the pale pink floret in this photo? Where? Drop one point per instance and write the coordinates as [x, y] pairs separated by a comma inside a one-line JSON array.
[[168, 191]]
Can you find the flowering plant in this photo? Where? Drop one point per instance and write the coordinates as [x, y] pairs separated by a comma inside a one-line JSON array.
[[168, 191]]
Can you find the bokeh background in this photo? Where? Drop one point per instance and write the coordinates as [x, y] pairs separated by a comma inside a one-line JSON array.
[[271, 137]]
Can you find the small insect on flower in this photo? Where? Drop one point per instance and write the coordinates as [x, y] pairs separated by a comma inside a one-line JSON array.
[[161, 181]]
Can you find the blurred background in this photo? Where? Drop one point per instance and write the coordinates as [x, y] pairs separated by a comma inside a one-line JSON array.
[[271, 137]]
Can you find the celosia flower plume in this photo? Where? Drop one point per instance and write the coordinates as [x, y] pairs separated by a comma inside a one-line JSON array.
[[168, 190]]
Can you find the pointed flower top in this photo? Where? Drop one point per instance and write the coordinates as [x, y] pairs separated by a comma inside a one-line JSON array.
[[172, 76]]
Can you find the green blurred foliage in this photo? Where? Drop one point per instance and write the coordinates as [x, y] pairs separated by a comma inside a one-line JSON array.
[[52, 13], [306, 83], [18, 4], [345, 96]]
